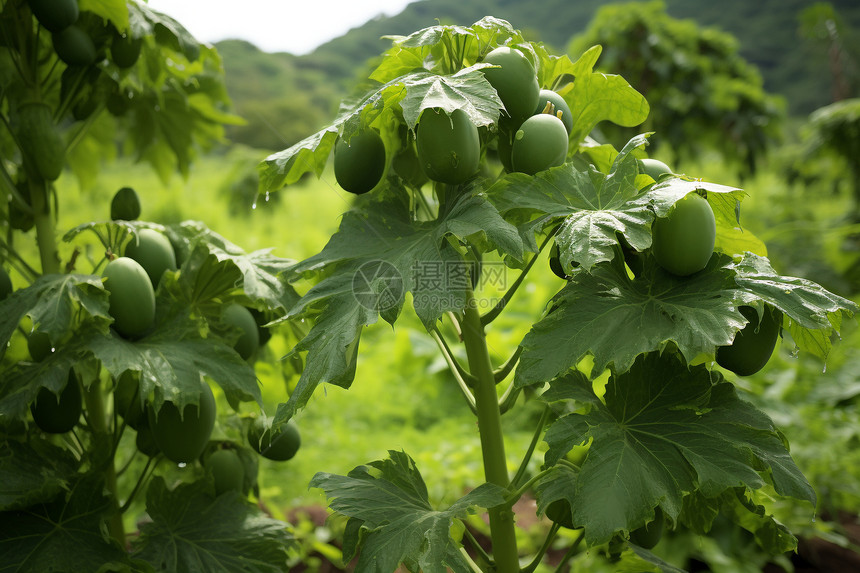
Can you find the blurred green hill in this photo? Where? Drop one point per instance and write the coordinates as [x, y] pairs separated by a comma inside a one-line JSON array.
[[285, 97]]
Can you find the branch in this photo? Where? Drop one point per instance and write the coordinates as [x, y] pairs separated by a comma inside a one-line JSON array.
[[464, 379], [550, 537], [502, 372], [493, 313], [535, 438]]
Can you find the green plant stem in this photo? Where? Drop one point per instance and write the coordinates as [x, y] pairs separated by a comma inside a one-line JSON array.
[[456, 370], [502, 372], [477, 546], [140, 481], [570, 553], [553, 531], [104, 438], [492, 439], [45, 231], [472, 565], [521, 472]]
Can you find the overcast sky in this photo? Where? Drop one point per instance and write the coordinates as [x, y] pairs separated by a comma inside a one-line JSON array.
[[295, 26]]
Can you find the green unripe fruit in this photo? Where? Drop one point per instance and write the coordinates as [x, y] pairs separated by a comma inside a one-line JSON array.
[[649, 534], [182, 437], [145, 441], [55, 15], [125, 205], [281, 446], [359, 163], [549, 96], [41, 143], [74, 46], [559, 512], [154, 253], [555, 262], [449, 149], [754, 344], [126, 399], [132, 299], [58, 414], [240, 317], [653, 168], [125, 50], [515, 81], [683, 241], [540, 143], [227, 471], [39, 344], [5, 284], [408, 167]]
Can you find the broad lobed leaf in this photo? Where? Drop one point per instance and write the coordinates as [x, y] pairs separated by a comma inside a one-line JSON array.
[[663, 431]]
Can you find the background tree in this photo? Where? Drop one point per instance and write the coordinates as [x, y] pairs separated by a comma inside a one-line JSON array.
[[706, 96]]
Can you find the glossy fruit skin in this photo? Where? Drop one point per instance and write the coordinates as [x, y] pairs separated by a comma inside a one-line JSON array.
[[559, 512], [126, 399], [39, 344], [359, 163], [540, 143], [74, 46], [751, 350], [125, 50], [5, 284], [280, 447], [560, 106], [154, 253], [227, 470], [653, 168], [449, 149], [407, 166], [132, 299], [125, 205], [240, 317], [58, 414], [182, 438], [555, 263], [683, 241], [55, 15], [145, 441], [515, 81], [40, 140], [649, 534]]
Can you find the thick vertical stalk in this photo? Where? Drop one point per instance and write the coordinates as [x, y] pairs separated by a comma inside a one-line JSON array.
[[492, 440], [103, 438], [45, 231]]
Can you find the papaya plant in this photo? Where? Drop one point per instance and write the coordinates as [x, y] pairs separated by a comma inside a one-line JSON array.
[[644, 432], [127, 382]]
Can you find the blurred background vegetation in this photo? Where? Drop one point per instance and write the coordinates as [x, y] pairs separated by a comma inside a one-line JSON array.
[[756, 94]]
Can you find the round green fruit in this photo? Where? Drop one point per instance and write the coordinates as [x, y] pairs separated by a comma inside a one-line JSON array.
[[514, 80], [649, 534], [754, 344], [132, 299], [240, 317], [281, 446], [540, 143], [154, 253], [126, 399], [55, 15], [183, 436], [227, 471], [39, 344], [125, 205], [145, 441], [555, 262], [41, 144], [5, 284], [74, 46], [407, 166], [549, 96], [58, 414], [125, 49], [449, 149], [683, 241], [559, 512], [360, 162], [653, 168]]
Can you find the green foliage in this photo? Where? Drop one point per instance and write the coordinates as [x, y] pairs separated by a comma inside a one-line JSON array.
[[710, 97]]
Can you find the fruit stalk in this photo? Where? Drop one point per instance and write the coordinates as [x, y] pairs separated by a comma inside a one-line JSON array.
[[492, 439], [97, 416]]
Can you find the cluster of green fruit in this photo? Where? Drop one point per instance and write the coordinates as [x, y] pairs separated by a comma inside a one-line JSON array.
[[533, 134], [74, 43]]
